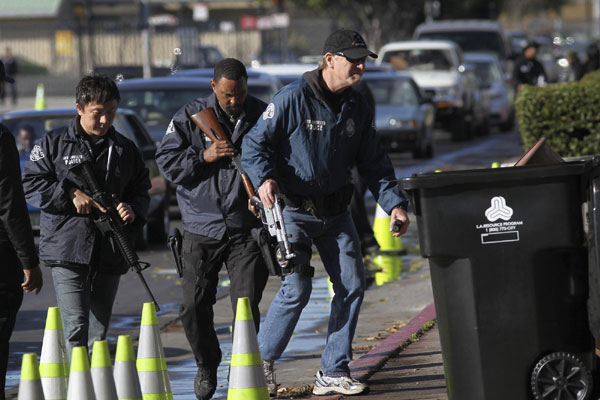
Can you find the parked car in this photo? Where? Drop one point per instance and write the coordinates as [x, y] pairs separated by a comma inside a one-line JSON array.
[[132, 127], [489, 73], [438, 68], [404, 118], [286, 73], [472, 35], [156, 100]]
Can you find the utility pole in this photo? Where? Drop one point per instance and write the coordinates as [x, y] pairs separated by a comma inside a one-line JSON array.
[[145, 32], [596, 19]]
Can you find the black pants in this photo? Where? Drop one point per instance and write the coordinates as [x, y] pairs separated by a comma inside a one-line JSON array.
[[202, 260], [10, 301]]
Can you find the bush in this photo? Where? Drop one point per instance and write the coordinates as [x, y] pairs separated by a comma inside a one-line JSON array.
[[565, 113]]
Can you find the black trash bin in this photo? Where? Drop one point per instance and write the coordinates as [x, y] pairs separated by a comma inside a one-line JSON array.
[[508, 255]]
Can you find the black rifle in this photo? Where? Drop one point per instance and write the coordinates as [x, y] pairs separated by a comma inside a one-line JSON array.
[[111, 225]]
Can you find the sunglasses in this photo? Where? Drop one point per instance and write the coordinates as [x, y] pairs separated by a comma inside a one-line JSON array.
[[360, 60]]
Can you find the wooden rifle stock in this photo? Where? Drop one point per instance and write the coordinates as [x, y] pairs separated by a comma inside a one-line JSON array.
[[207, 121]]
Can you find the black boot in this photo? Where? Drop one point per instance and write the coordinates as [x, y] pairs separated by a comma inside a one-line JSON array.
[[205, 382]]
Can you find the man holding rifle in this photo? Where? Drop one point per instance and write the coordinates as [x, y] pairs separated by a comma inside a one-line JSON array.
[[303, 148], [214, 210], [86, 264]]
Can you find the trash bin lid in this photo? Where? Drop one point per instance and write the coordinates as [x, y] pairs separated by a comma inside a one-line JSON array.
[[432, 180]]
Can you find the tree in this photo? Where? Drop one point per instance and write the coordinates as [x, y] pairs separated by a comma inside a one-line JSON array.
[[379, 21]]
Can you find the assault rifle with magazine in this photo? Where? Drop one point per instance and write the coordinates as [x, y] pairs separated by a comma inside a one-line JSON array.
[[111, 225]]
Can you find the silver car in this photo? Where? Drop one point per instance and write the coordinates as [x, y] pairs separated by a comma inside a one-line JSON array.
[[404, 118], [492, 80]]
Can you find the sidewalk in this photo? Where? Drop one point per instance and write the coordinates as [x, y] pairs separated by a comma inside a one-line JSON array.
[[406, 366]]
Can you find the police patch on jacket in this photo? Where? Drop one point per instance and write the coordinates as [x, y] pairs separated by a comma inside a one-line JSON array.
[[36, 153], [269, 112], [170, 128], [350, 127]]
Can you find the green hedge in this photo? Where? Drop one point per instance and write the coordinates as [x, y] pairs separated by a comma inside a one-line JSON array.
[[567, 114]]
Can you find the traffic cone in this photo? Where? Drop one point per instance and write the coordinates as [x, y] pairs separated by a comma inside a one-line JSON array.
[[246, 376], [388, 259], [30, 386], [40, 101], [54, 364], [80, 379], [125, 375], [151, 364], [102, 373]]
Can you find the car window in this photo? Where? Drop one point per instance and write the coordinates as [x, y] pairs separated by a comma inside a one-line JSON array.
[[419, 59], [156, 107], [471, 41], [393, 92], [263, 91], [36, 128], [142, 137], [487, 72]]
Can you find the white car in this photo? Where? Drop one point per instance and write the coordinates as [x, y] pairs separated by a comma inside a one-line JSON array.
[[438, 68], [489, 72]]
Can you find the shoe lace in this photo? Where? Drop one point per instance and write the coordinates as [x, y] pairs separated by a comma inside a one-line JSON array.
[[269, 371]]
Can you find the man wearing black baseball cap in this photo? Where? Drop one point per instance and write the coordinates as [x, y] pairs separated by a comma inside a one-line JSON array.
[[302, 149]]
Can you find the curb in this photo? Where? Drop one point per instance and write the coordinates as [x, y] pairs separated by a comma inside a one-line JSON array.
[[362, 368]]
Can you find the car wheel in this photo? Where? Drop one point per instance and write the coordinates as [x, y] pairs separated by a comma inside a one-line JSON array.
[[459, 128], [509, 124]]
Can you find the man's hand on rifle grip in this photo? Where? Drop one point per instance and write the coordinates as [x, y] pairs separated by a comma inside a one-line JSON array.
[[218, 150], [126, 212], [83, 202], [267, 191]]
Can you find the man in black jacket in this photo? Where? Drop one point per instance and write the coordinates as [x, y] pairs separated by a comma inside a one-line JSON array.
[[214, 212], [528, 70], [17, 249], [86, 266]]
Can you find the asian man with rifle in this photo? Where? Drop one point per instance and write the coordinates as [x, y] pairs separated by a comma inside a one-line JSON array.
[[86, 263], [216, 220]]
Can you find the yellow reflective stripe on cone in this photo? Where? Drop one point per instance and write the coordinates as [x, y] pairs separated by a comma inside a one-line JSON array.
[[242, 360], [53, 370], [151, 364]]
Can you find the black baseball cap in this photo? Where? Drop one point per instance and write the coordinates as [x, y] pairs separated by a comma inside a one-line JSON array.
[[3, 76], [348, 42]]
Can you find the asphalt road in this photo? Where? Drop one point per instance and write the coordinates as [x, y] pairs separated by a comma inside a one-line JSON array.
[[386, 306]]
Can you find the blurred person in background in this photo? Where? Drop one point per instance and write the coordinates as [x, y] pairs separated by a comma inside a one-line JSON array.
[[25, 140], [527, 69], [576, 68], [10, 66], [17, 248], [592, 58]]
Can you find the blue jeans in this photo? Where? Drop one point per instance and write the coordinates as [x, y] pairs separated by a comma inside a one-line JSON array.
[[338, 245], [85, 307]]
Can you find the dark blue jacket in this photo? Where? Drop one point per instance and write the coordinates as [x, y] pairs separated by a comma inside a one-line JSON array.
[[211, 196], [309, 149], [66, 236]]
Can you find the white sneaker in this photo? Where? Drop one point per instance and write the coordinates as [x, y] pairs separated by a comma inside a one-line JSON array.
[[269, 371], [337, 384]]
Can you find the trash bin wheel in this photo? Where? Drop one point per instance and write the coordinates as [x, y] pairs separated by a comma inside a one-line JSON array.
[[561, 376]]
